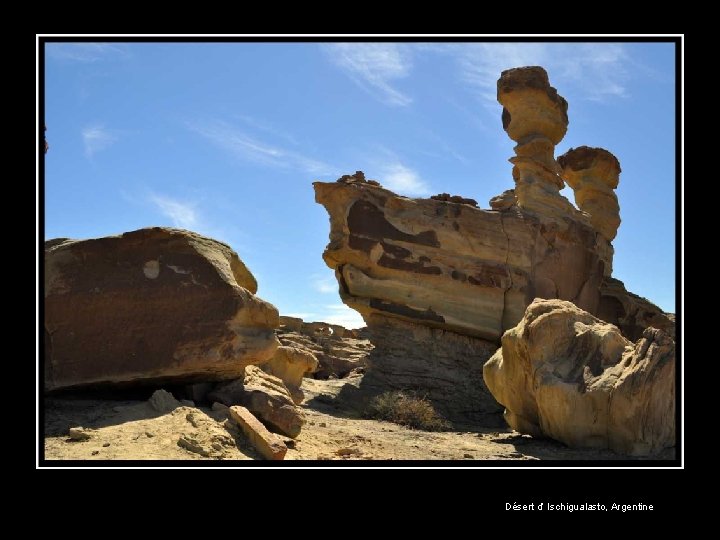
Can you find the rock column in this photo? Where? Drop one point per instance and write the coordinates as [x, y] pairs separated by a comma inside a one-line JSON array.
[[594, 173], [535, 117]]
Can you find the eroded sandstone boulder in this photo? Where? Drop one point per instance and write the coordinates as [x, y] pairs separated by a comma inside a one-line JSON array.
[[152, 305], [266, 396], [565, 374], [291, 364]]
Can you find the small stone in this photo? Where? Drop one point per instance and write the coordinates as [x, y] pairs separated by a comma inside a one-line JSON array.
[[79, 434], [468, 456], [219, 407], [190, 417], [322, 424], [148, 434], [192, 445], [163, 401], [105, 445], [95, 452]]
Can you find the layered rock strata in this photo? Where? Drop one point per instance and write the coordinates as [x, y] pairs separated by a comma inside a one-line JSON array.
[[535, 117], [409, 265], [565, 374], [453, 266], [154, 305], [338, 350], [594, 174]]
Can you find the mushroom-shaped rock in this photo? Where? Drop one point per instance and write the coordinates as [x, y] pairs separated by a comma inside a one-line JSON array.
[[535, 116], [593, 174]]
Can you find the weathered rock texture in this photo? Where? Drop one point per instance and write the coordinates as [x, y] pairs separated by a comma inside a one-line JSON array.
[[535, 117], [151, 305], [453, 266], [339, 351], [266, 396], [565, 374], [593, 174], [443, 263], [291, 364], [442, 366], [269, 446], [630, 312]]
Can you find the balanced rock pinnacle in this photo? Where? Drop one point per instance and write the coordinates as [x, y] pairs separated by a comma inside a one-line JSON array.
[[593, 174], [535, 116]]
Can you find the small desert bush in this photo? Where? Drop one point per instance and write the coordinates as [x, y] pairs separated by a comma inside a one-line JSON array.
[[407, 409]]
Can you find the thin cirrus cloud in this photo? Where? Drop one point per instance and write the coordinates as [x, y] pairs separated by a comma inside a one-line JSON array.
[[97, 138], [248, 148], [84, 52], [403, 180], [342, 315], [596, 71], [374, 67], [591, 71], [324, 284], [182, 214]]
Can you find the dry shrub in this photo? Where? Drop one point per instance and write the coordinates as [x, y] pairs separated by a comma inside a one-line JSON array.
[[407, 409]]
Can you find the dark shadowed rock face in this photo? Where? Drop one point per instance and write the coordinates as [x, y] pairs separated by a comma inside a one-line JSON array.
[[151, 305], [443, 367]]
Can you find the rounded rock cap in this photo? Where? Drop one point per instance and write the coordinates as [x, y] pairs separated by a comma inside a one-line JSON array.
[[582, 158]]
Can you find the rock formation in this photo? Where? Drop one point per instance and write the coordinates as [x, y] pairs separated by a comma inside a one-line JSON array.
[[291, 364], [269, 446], [593, 174], [338, 351], [152, 305], [409, 265], [266, 396], [535, 117], [565, 374]]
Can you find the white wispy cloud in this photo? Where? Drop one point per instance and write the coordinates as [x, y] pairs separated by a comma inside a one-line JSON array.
[[595, 71], [183, 214], [96, 138], [374, 67], [84, 52], [342, 315], [403, 180], [267, 127], [243, 146], [324, 284]]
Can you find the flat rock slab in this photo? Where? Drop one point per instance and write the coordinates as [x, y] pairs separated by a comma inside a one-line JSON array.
[[270, 446]]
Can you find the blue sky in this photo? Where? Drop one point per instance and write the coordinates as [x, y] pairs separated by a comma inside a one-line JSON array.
[[226, 139]]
